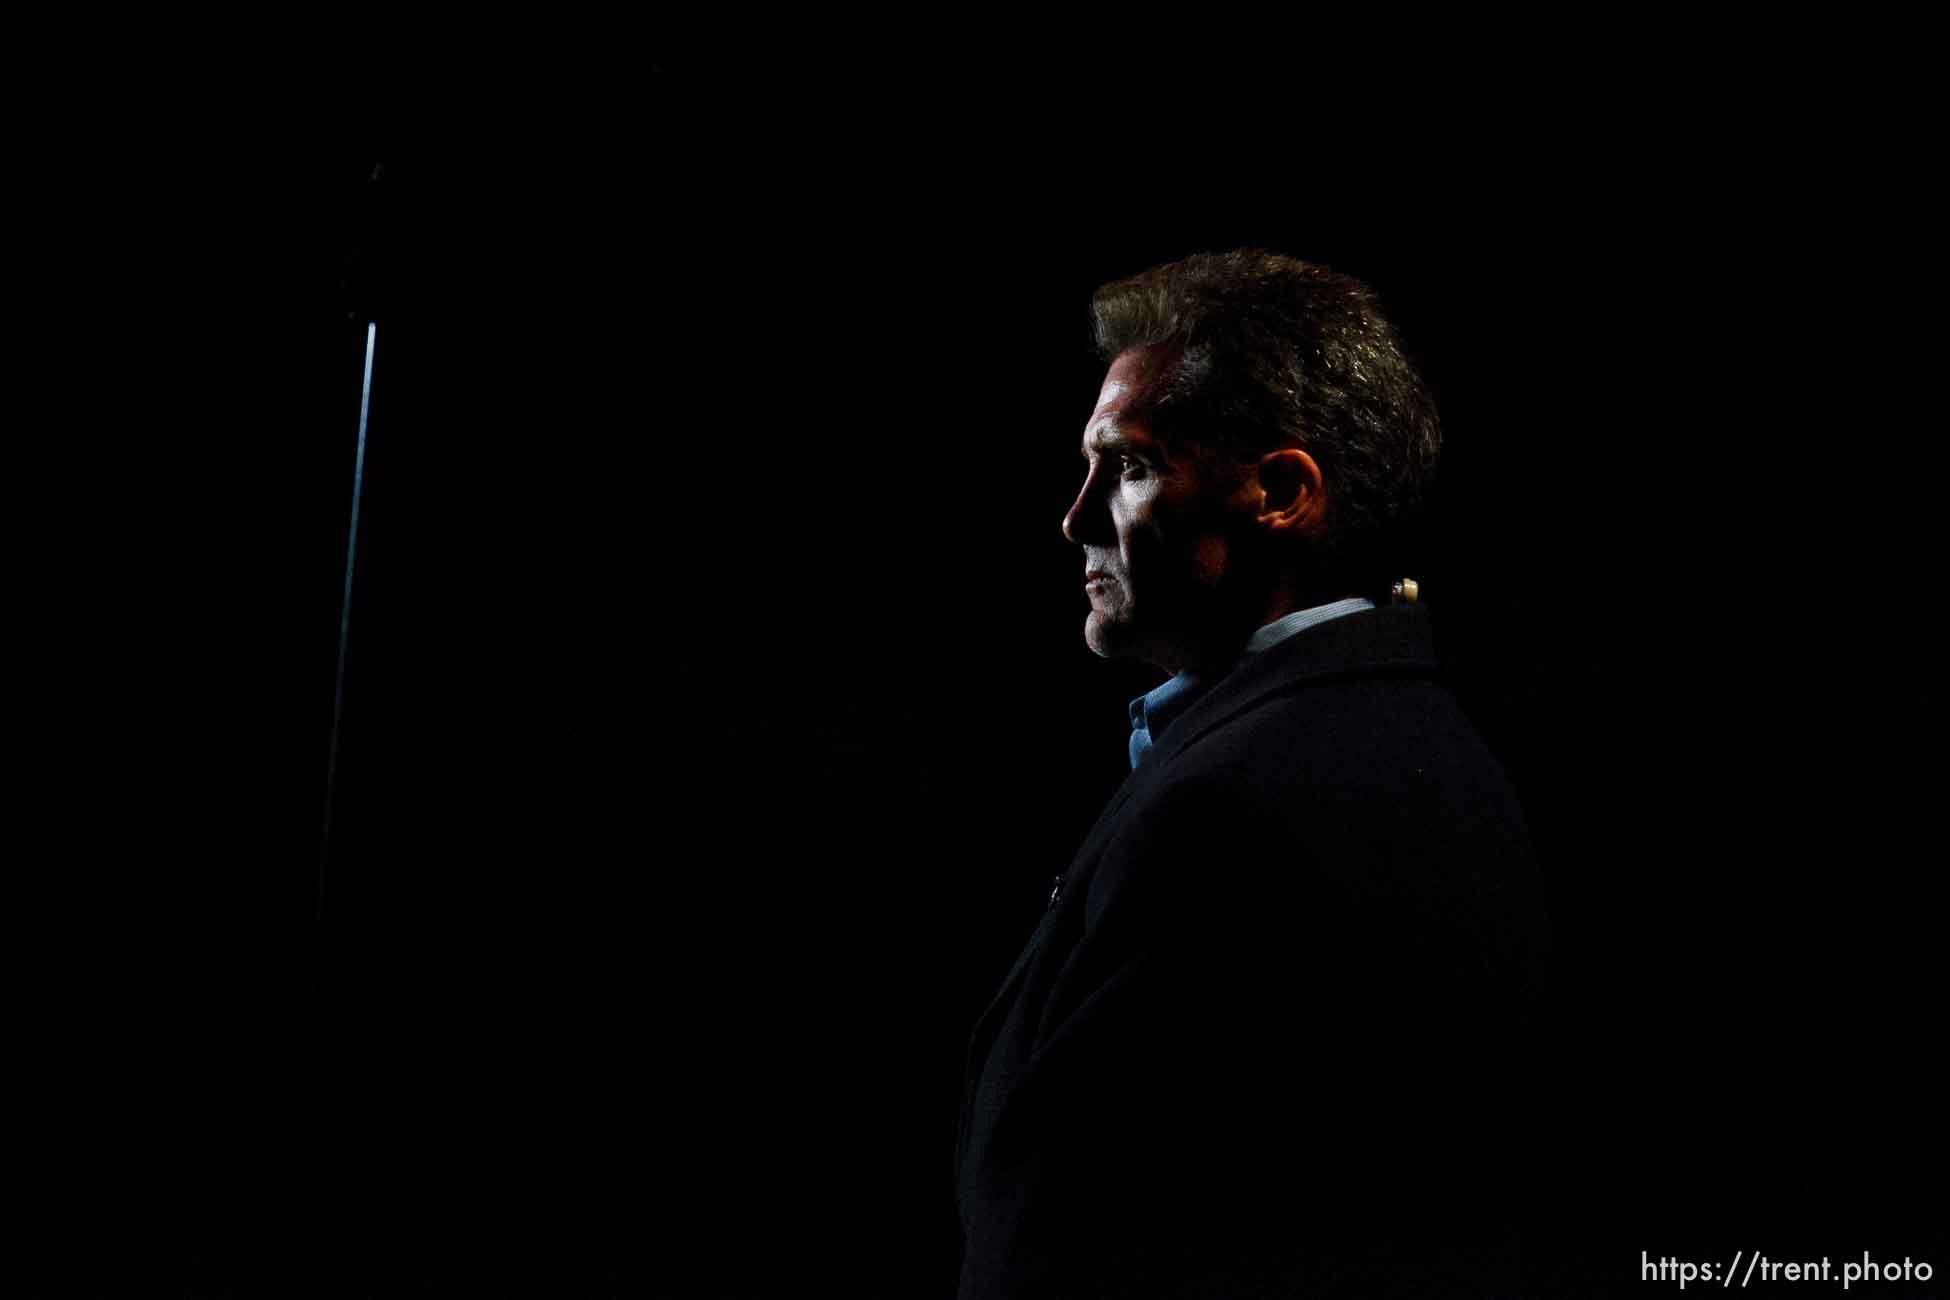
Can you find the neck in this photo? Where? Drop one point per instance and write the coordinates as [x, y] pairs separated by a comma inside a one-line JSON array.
[[1218, 643]]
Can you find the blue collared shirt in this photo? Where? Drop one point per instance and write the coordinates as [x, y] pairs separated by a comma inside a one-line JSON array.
[[1152, 712]]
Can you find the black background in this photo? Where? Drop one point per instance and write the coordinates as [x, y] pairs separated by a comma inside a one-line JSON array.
[[716, 709]]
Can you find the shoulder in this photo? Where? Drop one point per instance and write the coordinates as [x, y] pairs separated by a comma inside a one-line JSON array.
[[1390, 737]]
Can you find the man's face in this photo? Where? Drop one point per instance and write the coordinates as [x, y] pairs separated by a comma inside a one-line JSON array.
[[1157, 531]]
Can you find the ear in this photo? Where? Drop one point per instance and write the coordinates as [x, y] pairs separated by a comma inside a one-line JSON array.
[[1293, 499]]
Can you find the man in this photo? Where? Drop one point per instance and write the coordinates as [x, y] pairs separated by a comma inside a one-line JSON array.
[[1266, 1039]]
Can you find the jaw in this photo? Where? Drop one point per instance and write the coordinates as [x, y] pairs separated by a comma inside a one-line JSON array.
[[1107, 636], [1110, 637], [1210, 633]]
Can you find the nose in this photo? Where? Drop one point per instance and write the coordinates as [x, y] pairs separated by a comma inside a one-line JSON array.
[[1081, 521]]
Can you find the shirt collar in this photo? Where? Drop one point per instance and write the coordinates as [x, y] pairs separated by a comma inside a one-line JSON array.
[[1301, 619]]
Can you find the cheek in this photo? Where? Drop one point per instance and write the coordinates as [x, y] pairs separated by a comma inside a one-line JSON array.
[[1141, 525], [1163, 559], [1209, 559]]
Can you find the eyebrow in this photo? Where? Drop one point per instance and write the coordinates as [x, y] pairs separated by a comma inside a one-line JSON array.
[[1106, 442]]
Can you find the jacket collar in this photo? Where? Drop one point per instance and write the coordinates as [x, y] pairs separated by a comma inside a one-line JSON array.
[[1386, 640]]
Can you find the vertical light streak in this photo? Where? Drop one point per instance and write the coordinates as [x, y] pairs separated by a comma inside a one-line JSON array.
[[345, 617]]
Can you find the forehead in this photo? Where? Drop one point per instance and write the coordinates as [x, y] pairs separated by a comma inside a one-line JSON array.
[[1123, 388]]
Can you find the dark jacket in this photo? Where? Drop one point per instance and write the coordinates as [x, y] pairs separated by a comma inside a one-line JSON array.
[[1268, 1039]]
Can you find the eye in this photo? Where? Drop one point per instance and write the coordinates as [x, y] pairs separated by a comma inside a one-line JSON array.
[[1127, 467]]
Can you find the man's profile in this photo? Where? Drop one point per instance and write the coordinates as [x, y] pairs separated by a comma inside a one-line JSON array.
[[1265, 1039]]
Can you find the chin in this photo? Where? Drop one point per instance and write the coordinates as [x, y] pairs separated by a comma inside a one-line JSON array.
[[1094, 635], [1107, 638]]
